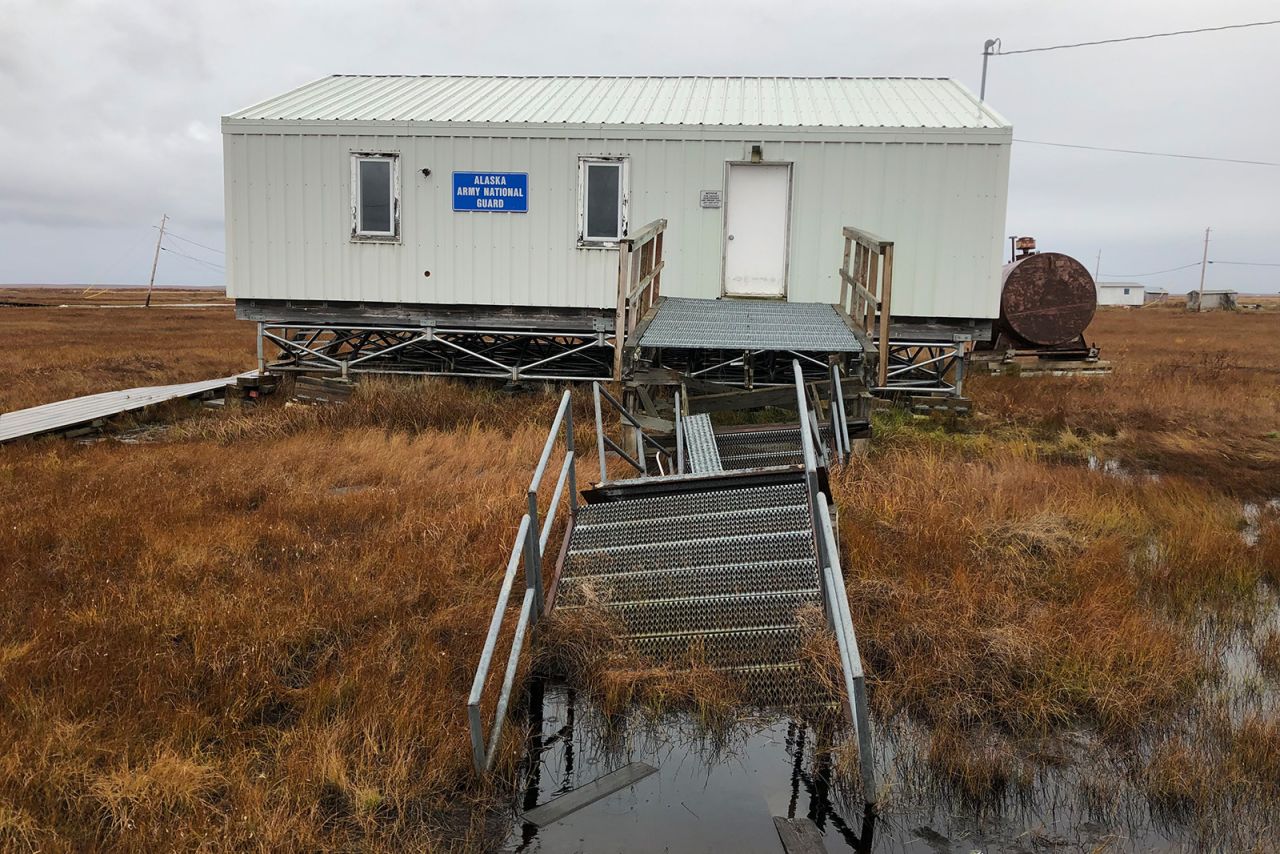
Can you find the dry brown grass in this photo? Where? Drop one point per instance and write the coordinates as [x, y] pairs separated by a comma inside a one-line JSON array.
[[204, 644], [56, 353], [1192, 394], [1009, 595], [258, 632], [93, 296]]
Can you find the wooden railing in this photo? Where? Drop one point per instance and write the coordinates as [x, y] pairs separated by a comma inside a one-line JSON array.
[[866, 285], [639, 282]]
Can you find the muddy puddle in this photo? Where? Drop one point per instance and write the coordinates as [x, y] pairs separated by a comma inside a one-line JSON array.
[[720, 792]]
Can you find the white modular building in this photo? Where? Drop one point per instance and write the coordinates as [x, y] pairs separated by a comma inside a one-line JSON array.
[[502, 200], [1121, 293]]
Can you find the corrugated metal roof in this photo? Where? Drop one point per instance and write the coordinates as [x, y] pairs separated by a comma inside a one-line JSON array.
[[65, 414], [878, 102]]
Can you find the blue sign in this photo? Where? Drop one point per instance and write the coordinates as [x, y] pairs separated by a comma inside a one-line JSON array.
[[507, 192]]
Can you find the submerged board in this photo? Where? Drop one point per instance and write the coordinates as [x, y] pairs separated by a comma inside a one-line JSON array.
[[582, 796]]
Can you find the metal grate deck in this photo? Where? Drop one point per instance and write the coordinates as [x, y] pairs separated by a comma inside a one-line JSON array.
[[758, 325]]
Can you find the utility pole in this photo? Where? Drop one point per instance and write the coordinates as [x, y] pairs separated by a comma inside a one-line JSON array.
[[155, 262], [1097, 266], [1204, 263], [989, 49]]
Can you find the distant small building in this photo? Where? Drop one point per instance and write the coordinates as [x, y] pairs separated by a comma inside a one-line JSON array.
[[1211, 300], [1120, 293], [1154, 295]]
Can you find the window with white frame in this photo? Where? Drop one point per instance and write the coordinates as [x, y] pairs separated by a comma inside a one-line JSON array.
[[375, 197], [602, 200]]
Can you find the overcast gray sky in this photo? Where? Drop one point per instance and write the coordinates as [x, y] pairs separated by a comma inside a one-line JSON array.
[[110, 110]]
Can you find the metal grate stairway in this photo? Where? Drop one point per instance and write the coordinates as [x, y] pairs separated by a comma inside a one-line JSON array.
[[774, 445], [715, 574]]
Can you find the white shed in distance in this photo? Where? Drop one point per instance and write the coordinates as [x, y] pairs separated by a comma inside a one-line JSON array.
[[1121, 293]]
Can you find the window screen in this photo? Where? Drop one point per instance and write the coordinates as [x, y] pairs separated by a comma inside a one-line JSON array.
[[375, 196], [602, 202], [602, 213]]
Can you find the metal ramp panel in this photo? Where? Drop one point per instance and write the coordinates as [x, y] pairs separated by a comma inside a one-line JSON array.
[[756, 325], [74, 412], [701, 445]]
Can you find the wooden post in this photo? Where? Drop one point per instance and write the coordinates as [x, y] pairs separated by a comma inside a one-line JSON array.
[[873, 282], [844, 273], [886, 293], [624, 287], [657, 279], [155, 262], [636, 277]]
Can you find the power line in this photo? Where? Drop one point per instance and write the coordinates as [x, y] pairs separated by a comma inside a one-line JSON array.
[[194, 258], [187, 240], [1156, 273], [1136, 38], [1247, 263], [1151, 153]]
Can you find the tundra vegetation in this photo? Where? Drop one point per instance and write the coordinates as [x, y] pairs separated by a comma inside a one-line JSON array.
[[256, 629]]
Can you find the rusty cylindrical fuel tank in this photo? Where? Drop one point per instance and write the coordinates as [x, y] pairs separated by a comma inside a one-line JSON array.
[[1047, 299]]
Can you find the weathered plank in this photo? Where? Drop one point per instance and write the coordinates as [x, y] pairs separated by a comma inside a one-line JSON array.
[[556, 809], [799, 835]]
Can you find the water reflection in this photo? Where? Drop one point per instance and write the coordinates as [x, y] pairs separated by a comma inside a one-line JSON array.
[[714, 791]]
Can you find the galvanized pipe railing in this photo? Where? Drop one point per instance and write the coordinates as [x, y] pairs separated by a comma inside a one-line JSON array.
[[835, 600], [810, 437], [839, 427], [531, 545], [642, 440], [838, 411], [841, 623], [806, 434], [679, 436]]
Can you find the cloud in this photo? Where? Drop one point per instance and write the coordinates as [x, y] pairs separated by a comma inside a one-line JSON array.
[[111, 108]]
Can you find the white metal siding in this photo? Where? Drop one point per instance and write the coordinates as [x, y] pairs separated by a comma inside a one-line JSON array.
[[939, 195]]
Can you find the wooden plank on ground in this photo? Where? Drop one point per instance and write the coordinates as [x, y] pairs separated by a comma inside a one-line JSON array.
[[556, 809], [799, 835]]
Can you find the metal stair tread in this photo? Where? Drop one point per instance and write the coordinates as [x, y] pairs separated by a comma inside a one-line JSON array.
[[689, 503], [794, 563], [727, 538], [727, 578], [693, 633], [700, 527], [728, 514], [758, 594]]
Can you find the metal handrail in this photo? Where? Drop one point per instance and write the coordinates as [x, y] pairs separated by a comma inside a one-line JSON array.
[[836, 601], [639, 461], [839, 418], [679, 436], [837, 399], [531, 544], [841, 623]]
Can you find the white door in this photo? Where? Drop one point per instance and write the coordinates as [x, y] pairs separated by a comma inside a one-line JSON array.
[[757, 205]]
